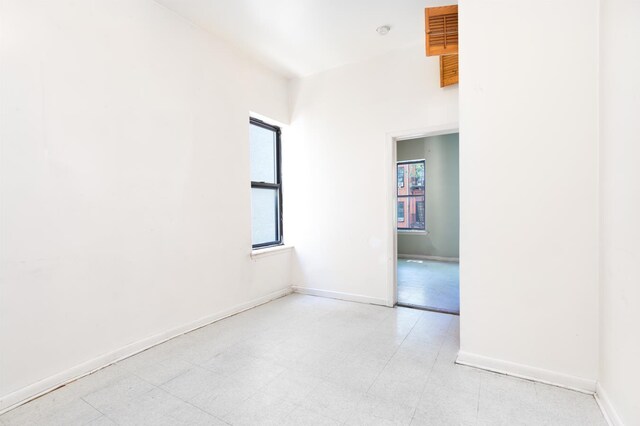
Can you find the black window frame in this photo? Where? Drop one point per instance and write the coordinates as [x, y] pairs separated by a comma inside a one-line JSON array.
[[274, 186], [407, 176]]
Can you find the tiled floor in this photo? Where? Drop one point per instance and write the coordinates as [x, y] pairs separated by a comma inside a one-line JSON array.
[[429, 283], [304, 360]]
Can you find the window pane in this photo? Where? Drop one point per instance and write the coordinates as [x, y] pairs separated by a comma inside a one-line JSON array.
[[263, 154], [403, 179], [264, 215], [419, 218], [416, 178], [401, 217]]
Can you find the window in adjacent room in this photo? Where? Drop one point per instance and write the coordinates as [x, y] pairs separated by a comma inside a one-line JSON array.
[[411, 195], [266, 184]]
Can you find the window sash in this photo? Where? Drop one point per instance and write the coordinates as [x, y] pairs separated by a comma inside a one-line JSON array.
[[412, 215], [421, 199], [277, 186]]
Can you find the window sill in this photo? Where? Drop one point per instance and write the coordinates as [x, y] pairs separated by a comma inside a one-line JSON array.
[[270, 251], [423, 233]]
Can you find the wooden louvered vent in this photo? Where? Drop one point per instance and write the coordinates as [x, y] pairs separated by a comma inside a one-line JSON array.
[[441, 30], [448, 70]]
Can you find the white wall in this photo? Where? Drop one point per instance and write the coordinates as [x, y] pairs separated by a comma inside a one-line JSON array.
[[125, 183], [620, 209], [528, 179], [441, 154], [336, 184]]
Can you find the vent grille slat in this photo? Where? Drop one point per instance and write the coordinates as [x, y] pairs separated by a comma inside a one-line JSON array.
[[441, 30], [448, 70]]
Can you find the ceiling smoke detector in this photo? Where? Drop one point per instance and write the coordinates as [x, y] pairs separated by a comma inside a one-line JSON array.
[[383, 30]]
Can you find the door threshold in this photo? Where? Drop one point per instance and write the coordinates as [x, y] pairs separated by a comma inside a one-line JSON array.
[[428, 308]]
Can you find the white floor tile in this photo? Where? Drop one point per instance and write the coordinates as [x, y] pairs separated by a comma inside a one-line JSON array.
[[501, 387], [157, 372], [403, 379], [227, 363], [305, 417], [333, 401], [457, 378], [88, 384], [158, 407], [399, 390], [76, 412], [261, 409], [117, 394], [318, 362], [356, 374], [304, 360], [292, 385], [192, 383], [225, 398], [567, 407], [448, 405], [376, 411], [438, 418], [512, 411], [101, 421]]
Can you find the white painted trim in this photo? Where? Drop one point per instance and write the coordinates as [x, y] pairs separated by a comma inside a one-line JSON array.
[[413, 232], [425, 132], [527, 372], [391, 215], [610, 414], [391, 212], [420, 256], [28, 393], [339, 295], [270, 251], [268, 120]]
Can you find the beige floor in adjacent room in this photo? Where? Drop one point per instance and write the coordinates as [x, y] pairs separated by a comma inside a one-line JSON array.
[[304, 360], [429, 284]]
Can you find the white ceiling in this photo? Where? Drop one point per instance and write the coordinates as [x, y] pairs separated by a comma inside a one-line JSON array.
[[302, 37]]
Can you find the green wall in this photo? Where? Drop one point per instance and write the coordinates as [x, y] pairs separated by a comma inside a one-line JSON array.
[[443, 196]]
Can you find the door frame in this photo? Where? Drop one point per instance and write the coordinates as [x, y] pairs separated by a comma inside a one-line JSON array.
[[392, 140]]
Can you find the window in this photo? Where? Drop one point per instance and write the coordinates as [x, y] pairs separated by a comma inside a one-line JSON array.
[[266, 184], [411, 195]]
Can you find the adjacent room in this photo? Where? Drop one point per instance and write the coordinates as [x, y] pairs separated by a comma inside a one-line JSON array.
[[428, 272], [285, 212]]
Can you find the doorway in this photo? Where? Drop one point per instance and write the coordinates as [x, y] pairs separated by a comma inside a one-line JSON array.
[[427, 216]]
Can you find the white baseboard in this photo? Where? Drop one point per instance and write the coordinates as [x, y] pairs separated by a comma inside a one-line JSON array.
[[339, 295], [28, 393], [610, 414], [424, 257], [527, 372]]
